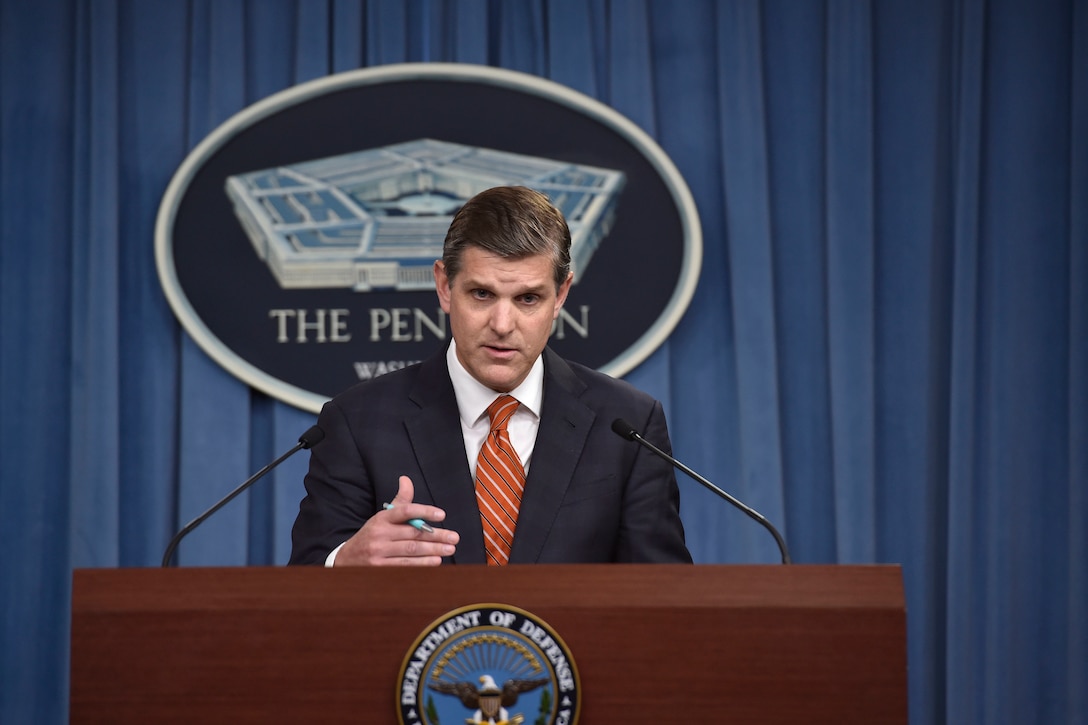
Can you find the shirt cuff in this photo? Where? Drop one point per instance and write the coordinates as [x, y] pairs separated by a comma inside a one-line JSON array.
[[332, 555]]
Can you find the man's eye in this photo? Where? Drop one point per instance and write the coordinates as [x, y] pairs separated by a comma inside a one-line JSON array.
[[480, 294]]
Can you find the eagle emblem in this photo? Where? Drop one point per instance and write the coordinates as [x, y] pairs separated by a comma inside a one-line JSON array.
[[489, 701], [488, 664]]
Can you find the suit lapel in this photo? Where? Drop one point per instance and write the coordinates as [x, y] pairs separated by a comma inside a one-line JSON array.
[[564, 426], [435, 434]]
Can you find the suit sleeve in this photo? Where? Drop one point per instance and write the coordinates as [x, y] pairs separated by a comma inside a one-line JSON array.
[[651, 530], [339, 495]]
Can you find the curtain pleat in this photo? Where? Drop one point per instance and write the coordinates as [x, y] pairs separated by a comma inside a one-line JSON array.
[[276, 31], [795, 45], [313, 54], [626, 82], [463, 31], [95, 289], [572, 46], [214, 413], [1029, 318], [151, 140], [886, 353], [850, 253], [701, 363], [347, 35], [963, 630], [1075, 661], [386, 32], [746, 174], [36, 298], [913, 265]]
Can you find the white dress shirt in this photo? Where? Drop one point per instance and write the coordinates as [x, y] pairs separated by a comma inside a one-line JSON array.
[[473, 397]]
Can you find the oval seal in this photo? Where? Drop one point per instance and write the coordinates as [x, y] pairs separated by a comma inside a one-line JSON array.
[[295, 242], [488, 664]]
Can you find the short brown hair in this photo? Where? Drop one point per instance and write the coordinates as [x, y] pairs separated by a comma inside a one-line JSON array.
[[510, 222]]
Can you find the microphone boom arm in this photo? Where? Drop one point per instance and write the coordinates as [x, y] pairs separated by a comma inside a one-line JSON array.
[[633, 434], [310, 438]]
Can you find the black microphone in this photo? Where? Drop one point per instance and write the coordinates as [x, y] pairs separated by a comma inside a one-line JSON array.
[[309, 439], [625, 430]]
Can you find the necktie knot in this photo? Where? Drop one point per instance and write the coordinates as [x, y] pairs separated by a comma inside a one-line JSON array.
[[500, 411]]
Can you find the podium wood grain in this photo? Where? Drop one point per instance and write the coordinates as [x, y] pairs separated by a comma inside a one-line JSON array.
[[651, 643]]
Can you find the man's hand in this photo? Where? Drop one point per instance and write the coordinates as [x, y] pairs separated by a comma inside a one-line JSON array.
[[387, 538]]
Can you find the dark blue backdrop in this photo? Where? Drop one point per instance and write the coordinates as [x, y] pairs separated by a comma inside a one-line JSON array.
[[886, 353]]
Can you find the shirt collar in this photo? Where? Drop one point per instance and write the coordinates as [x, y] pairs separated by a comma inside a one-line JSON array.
[[473, 397]]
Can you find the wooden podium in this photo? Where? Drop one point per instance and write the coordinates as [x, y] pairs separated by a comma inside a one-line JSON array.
[[661, 644]]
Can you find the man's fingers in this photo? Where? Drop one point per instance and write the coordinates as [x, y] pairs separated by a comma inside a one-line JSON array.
[[406, 533], [411, 561], [401, 551], [384, 543]]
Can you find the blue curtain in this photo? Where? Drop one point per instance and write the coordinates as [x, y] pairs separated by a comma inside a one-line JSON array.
[[886, 354]]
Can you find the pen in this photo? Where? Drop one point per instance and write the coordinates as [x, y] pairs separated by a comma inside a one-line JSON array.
[[416, 523]]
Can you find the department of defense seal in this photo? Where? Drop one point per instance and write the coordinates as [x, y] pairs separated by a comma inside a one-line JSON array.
[[488, 664]]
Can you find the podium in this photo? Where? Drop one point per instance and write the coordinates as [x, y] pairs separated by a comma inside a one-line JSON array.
[[651, 643]]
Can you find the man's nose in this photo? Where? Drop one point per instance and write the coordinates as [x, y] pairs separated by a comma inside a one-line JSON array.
[[502, 317]]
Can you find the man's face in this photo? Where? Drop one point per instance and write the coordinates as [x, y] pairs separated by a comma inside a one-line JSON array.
[[501, 313]]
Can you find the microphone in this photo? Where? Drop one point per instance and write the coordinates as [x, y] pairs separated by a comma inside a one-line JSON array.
[[625, 430], [309, 439]]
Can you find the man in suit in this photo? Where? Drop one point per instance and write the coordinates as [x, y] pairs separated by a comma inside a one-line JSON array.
[[424, 440]]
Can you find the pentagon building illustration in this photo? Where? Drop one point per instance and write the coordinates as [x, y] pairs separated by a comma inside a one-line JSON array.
[[376, 219]]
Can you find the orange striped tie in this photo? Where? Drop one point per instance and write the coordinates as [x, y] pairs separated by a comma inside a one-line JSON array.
[[500, 480]]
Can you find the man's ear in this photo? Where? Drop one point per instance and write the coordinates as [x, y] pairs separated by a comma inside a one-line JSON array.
[[442, 285], [561, 297]]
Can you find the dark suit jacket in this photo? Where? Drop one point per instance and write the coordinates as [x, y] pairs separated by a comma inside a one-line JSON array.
[[590, 495]]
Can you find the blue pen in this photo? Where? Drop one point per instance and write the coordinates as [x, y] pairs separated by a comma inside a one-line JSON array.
[[416, 523]]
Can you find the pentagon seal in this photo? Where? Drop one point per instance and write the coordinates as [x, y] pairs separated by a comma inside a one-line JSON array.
[[488, 664], [295, 243]]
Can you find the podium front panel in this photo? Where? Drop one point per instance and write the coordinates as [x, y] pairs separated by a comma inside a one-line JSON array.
[[651, 643]]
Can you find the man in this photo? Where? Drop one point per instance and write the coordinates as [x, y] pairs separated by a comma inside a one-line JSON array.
[[415, 468]]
